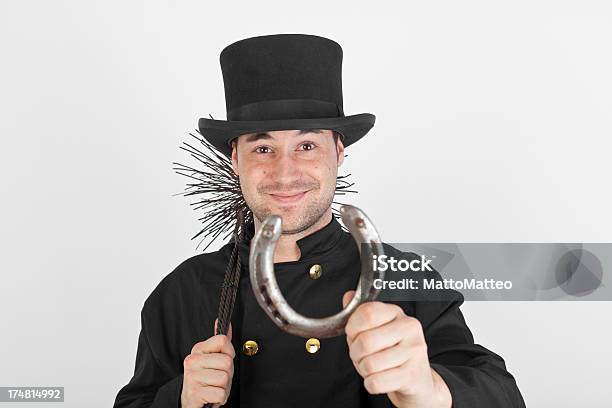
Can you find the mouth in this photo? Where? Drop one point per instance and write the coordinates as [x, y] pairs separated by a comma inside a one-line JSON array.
[[289, 198]]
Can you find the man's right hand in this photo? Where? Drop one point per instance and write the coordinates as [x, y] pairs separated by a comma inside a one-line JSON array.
[[208, 371]]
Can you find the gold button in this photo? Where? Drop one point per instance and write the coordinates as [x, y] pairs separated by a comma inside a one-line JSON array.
[[250, 347], [313, 345], [315, 271]]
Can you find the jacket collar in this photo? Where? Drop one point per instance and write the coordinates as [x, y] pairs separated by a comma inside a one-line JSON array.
[[319, 241]]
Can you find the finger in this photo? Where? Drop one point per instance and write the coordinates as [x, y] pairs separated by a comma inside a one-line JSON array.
[[229, 331], [212, 377], [385, 381], [228, 347], [212, 394], [216, 344], [379, 338], [383, 360], [217, 361], [346, 298], [370, 315]]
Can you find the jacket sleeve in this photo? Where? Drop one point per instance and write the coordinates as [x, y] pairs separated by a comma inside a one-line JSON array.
[[475, 376], [154, 384]]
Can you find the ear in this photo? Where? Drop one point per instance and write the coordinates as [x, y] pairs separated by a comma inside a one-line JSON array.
[[235, 157], [340, 150]]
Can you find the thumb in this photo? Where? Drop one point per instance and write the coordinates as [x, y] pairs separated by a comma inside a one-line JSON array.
[[229, 331], [346, 298]]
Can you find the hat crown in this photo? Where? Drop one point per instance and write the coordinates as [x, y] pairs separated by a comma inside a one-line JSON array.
[[282, 76]]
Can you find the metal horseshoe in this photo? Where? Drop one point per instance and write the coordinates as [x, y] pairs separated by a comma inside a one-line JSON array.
[[272, 301]]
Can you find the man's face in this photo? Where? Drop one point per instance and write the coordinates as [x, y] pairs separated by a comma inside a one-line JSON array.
[[291, 173]]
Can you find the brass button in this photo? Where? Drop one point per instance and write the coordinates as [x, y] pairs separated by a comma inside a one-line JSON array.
[[313, 345], [315, 271], [250, 348]]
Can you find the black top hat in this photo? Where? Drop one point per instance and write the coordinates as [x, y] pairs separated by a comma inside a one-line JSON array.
[[282, 82]]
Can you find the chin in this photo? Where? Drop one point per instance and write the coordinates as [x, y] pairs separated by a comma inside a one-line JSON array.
[[293, 218], [291, 221]]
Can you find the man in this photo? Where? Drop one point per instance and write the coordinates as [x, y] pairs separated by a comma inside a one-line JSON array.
[[286, 136]]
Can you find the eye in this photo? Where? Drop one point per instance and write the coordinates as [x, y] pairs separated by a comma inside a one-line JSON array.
[[259, 149], [307, 145]]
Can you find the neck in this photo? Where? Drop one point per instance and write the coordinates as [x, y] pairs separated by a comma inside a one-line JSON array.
[[287, 249]]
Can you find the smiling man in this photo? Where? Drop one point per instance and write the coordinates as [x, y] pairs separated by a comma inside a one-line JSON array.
[[291, 173], [285, 136]]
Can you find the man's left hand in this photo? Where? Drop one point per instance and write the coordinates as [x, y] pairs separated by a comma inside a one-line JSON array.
[[389, 351]]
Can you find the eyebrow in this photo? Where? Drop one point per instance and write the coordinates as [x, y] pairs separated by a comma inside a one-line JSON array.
[[265, 135]]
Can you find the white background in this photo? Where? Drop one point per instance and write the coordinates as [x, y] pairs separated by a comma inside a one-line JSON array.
[[493, 125]]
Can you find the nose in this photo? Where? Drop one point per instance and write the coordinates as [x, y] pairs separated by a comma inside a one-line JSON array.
[[286, 168]]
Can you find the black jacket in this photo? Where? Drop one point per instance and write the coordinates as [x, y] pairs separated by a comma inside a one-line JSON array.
[[182, 309]]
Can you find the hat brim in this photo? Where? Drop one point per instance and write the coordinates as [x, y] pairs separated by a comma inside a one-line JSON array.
[[220, 132]]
